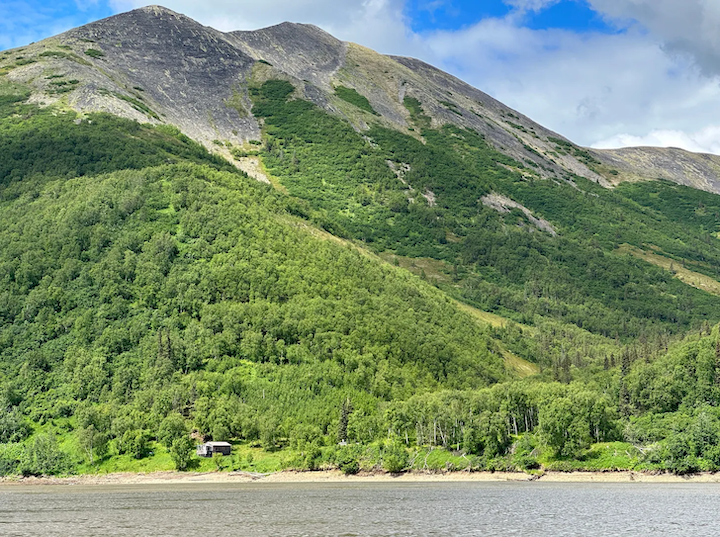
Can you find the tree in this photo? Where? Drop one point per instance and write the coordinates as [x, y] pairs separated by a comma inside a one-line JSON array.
[[42, 456], [13, 427], [344, 417], [171, 428], [136, 442], [312, 456], [346, 458], [624, 394], [394, 457], [93, 442], [181, 452], [562, 428], [92, 426]]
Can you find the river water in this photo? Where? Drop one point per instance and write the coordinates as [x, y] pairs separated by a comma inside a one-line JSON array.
[[361, 509]]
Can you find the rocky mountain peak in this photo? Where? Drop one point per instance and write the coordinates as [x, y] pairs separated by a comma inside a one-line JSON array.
[[157, 10], [303, 51], [153, 64]]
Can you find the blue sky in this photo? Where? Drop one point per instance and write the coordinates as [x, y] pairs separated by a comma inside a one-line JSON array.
[[607, 73], [24, 21], [573, 15]]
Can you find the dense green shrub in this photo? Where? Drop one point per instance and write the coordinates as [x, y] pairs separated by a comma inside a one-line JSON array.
[[42, 456], [347, 461], [181, 452], [394, 457], [94, 53], [353, 97]]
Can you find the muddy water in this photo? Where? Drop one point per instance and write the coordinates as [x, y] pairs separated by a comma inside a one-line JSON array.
[[362, 509]]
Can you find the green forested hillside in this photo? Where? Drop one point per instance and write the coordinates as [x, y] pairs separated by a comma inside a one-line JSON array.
[[187, 289], [149, 290], [417, 197], [423, 198]]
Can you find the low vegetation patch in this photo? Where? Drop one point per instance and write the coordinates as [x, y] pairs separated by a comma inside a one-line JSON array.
[[94, 53], [351, 96], [675, 267], [138, 105]]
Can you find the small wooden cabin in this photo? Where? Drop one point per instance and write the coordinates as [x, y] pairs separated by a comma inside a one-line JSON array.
[[208, 448]]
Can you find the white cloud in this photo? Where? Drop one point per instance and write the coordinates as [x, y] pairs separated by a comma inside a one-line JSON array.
[[706, 140], [587, 87], [377, 24], [531, 5], [685, 26]]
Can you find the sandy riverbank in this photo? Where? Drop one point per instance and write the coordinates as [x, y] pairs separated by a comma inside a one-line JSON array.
[[334, 476]]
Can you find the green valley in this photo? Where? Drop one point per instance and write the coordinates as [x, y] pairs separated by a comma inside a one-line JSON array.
[[398, 297]]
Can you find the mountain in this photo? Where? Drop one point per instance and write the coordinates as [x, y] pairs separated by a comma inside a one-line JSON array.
[[285, 240], [197, 78]]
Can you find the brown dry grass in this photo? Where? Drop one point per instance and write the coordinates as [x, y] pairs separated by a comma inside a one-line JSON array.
[[685, 275], [521, 367], [434, 270]]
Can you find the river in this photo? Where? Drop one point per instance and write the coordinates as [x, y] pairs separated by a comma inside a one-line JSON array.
[[361, 509]]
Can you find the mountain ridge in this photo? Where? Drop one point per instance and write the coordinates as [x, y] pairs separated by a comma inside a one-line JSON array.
[[696, 170], [149, 47], [132, 43]]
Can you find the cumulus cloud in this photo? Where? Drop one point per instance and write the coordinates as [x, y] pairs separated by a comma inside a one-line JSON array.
[[685, 26], [377, 24], [588, 87], [652, 83]]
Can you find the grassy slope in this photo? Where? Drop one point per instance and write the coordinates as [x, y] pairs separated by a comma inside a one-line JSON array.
[[695, 279]]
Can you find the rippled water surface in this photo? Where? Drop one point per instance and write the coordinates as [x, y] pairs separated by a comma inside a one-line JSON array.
[[312, 509]]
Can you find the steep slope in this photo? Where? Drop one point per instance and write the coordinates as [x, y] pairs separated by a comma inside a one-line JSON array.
[[302, 51], [144, 279], [153, 64], [515, 244], [392, 152], [633, 164]]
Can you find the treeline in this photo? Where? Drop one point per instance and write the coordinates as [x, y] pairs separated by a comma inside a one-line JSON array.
[[664, 411], [38, 144]]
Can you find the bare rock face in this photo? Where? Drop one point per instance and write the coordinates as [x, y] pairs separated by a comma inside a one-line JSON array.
[[695, 170], [185, 72], [450, 100], [303, 51], [155, 65]]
